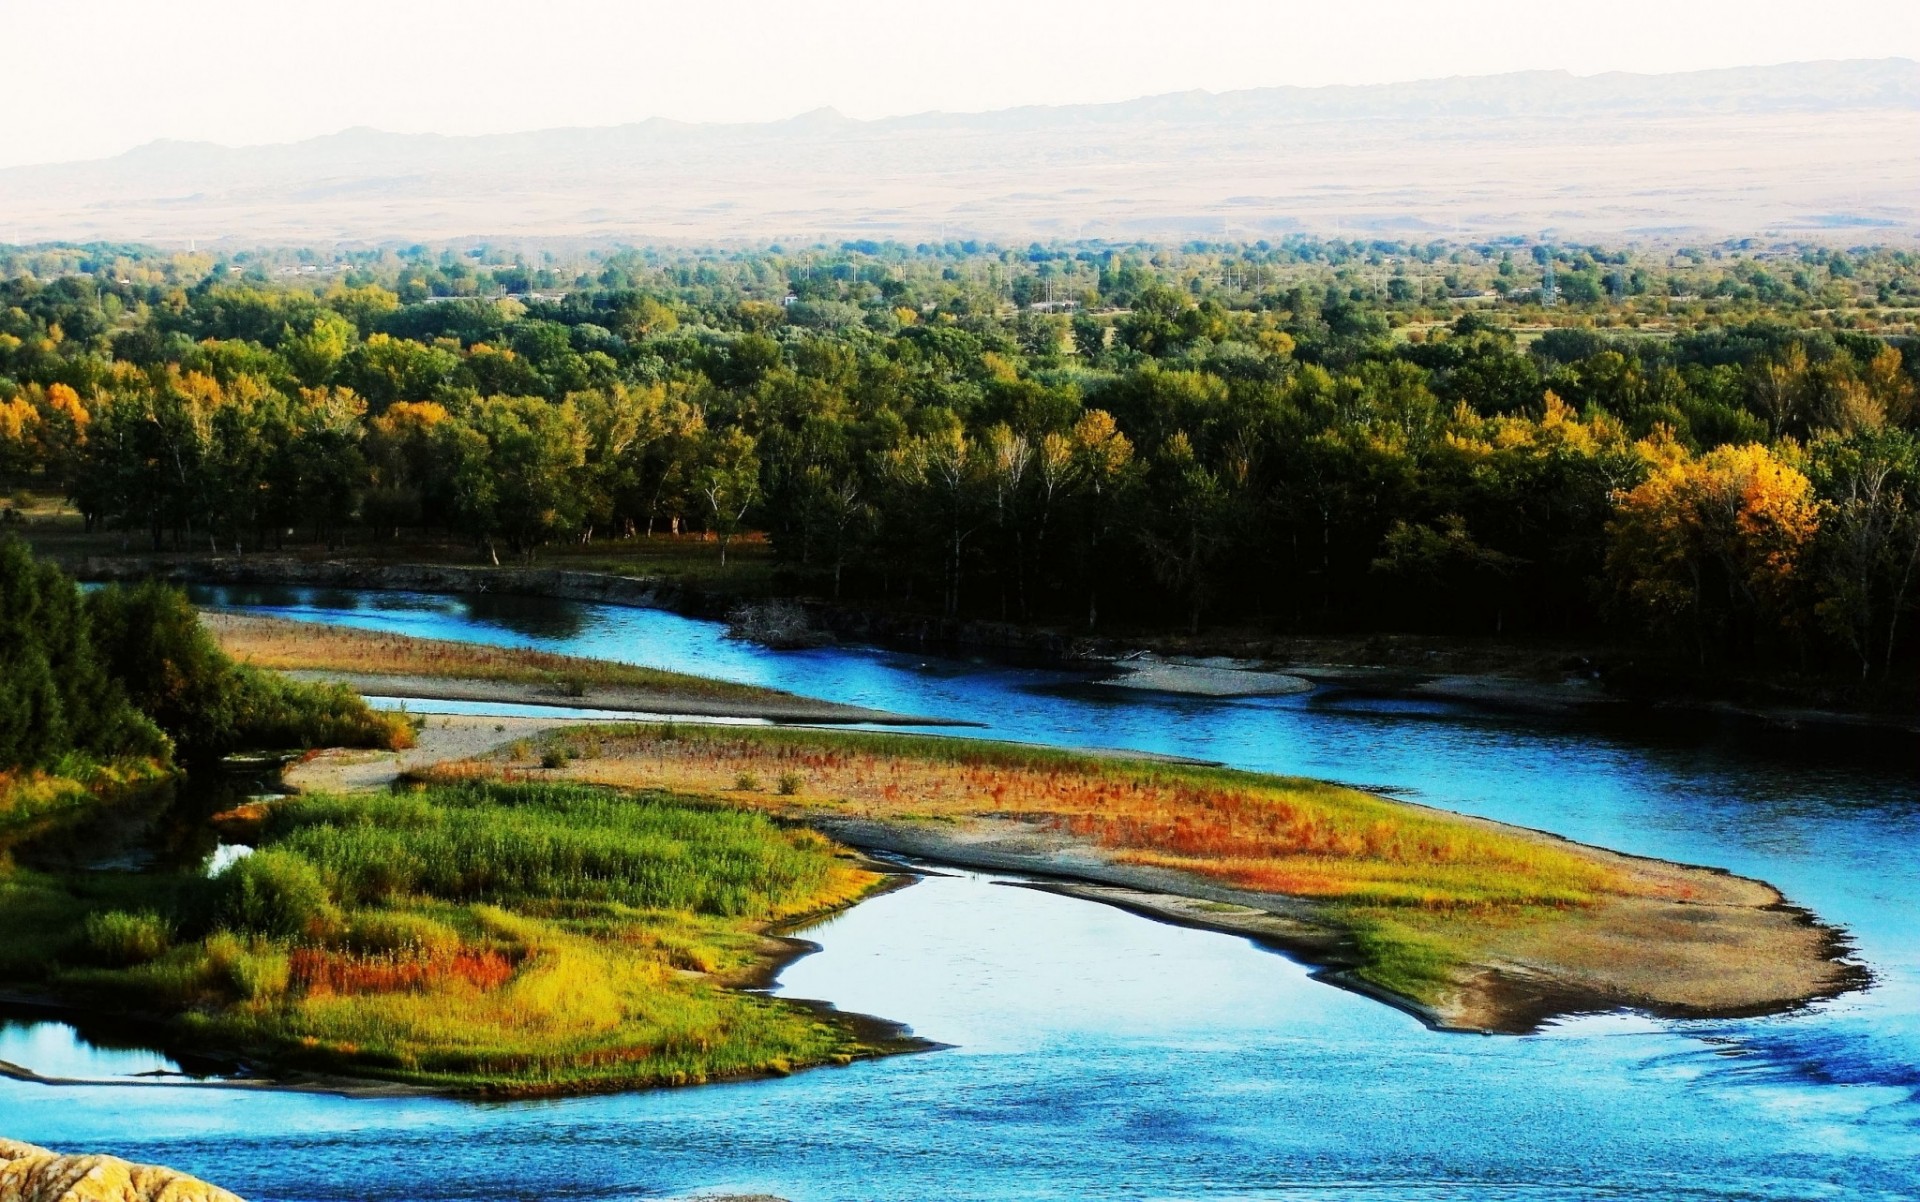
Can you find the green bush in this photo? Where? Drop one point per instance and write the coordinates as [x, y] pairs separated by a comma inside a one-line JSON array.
[[251, 968], [117, 938], [152, 642], [276, 894]]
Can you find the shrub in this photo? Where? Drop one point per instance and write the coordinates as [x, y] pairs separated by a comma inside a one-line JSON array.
[[274, 893], [782, 625], [253, 969], [747, 782], [556, 757], [118, 938], [152, 643], [791, 783]]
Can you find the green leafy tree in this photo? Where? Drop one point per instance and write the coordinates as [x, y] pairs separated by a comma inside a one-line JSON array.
[[515, 470], [728, 482]]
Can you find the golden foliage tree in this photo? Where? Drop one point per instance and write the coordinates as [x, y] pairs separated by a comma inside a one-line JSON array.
[[1710, 549]]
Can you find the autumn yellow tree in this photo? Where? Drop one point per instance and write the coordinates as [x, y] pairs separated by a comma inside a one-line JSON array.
[[62, 433], [1709, 550], [19, 430]]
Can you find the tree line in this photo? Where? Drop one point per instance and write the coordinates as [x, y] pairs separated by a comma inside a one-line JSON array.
[[1177, 447]]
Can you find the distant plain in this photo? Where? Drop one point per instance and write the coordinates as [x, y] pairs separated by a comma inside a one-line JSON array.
[[1804, 150]]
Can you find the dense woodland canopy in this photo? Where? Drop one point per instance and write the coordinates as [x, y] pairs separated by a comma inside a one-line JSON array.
[[1712, 447]]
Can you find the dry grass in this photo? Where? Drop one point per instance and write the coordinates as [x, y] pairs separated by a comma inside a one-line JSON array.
[[1285, 835], [289, 646]]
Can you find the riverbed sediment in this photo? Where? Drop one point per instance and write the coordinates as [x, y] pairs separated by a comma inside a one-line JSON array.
[[1734, 947]]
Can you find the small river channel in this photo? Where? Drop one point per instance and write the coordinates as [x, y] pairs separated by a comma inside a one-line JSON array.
[[1095, 1054]]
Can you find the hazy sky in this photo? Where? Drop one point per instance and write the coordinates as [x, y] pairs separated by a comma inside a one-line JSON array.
[[86, 78]]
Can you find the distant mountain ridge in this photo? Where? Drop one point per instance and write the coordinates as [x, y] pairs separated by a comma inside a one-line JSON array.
[[1372, 148]]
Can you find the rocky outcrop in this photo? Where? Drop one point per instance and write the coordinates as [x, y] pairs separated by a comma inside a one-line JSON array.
[[30, 1174]]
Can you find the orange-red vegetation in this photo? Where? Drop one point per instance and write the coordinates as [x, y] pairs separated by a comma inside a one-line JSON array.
[[319, 971]]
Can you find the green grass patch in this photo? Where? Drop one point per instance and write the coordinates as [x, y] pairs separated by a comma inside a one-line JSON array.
[[1405, 955]]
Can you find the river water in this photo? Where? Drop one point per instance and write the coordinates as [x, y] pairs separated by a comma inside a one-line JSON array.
[[1096, 1054]]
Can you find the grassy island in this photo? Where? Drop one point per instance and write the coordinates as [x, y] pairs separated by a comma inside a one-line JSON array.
[[282, 645], [481, 938]]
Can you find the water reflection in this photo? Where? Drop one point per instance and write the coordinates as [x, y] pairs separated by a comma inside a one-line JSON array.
[[57, 1050], [162, 826]]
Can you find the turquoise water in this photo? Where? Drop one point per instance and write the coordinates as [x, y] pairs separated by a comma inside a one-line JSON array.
[[1099, 1055]]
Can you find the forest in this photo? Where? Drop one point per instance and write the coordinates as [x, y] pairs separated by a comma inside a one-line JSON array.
[[1713, 450]]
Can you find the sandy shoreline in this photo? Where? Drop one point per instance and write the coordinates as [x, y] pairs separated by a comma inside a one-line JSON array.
[[633, 701], [1212, 677]]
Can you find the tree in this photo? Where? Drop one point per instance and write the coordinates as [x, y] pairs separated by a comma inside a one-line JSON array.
[[326, 467], [1443, 561], [1103, 472], [56, 695], [729, 482], [19, 436], [1089, 337], [1868, 551], [944, 467], [1192, 511], [622, 424], [1712, 549], [407, 477], [835, 509], [514, 466], [317, 352], [1008, 461]]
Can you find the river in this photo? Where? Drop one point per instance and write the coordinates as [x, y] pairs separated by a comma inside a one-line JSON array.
[[1096, 1054]]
